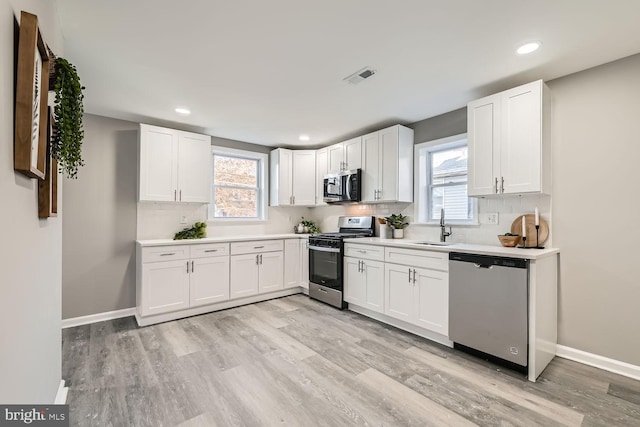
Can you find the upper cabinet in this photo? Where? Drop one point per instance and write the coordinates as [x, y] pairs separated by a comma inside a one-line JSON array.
[[509, 142], [387, 165], [346, 155], [293, 177], [175, 166], [322, 163]]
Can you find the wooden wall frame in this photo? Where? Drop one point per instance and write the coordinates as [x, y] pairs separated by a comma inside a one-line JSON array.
[[32, 85], [48, 187]]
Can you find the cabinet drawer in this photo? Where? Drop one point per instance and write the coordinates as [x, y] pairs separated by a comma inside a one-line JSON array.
[[253, 247], [375, 253], [418, 258], [164, 253], [209, 250]]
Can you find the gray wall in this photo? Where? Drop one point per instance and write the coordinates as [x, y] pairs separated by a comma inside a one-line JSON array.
[[30, 256], [596, 149], [448, 124], [99, 228]]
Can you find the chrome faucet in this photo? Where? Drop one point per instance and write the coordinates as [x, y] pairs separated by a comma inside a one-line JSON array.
[[443, 229]]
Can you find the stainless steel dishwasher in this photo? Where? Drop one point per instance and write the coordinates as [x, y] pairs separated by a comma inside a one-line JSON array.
[[488, 305]]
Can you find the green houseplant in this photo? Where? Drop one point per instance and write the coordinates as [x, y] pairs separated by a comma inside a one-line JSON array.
[[66, 142], [397, 222]]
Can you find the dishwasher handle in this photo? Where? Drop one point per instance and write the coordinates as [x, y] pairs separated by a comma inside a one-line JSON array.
[[487, 261]]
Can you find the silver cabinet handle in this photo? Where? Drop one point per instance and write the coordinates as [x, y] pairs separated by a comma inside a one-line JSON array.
[[414, 275], [258, 247], [180, 195], [409, 275], [261, 259], [362, 251], [257, 258], [168, 254], [187, 267], [192, 269], [502, 186], [211, 250], [496, 185], [175, 195]]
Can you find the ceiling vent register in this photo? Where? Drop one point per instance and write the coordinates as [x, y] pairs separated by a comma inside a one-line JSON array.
[[360, 75]]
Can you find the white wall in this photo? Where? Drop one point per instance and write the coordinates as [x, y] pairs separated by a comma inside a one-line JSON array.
[[30, 257]]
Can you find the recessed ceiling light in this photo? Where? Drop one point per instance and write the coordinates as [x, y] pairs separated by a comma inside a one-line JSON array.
[[304, 138], [183, 111], [528, 48]]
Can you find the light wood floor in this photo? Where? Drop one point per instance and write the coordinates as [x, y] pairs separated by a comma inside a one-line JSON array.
[[297, 362]]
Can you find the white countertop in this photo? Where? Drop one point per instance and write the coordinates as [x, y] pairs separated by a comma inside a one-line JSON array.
[[459, 247], [171, 242]]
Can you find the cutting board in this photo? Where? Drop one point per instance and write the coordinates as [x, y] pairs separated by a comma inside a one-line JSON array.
[[516, 228]]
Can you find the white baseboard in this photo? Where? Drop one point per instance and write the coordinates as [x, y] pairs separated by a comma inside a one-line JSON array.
[[601, 362], [98, 317], [61, 395]]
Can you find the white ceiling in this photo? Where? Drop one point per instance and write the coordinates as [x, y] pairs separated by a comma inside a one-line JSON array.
[[267, 71]]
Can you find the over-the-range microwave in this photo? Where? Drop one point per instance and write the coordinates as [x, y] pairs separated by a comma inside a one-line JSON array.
[[343, 187]]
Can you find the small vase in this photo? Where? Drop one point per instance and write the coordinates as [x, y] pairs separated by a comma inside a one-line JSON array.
[[398, 233], [300, 228], [385, 231]]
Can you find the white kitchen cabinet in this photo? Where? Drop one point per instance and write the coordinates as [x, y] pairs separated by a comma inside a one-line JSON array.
[[345, 155], [256, 267], [387, 165], [174, 166], [178, 277], [291, 263], [364, 283], [417, 288], [293, 177], [304, 263], [322, 168], [509, 142]]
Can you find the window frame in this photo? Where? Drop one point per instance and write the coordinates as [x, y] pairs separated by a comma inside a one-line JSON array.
[[423, 177], [263, 184]]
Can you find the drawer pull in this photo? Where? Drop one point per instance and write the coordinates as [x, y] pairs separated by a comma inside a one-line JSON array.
[[258, 247], [211, 250], [168, 254]]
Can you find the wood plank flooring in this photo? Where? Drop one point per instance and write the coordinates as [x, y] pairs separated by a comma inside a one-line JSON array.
[[297, 362]]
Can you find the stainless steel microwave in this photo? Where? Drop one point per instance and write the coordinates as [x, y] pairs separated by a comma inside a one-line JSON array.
[[343, 187]]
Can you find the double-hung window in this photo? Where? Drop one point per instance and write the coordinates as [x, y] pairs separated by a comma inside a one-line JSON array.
[[238, 190], [441, 182]]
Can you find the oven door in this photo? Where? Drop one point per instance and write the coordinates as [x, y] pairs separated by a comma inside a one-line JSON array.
[[325, 267]]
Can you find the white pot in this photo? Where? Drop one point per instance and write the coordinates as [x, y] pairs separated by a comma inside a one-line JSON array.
[[398, 233], [385, 231]]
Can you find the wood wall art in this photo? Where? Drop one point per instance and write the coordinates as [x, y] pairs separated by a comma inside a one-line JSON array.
[[48, 187], [32, 84]]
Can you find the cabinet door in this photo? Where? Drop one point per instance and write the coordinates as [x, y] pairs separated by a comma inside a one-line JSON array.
[[388, 169], [483, 123], [336, 157], [370, 165], [165, 287], [374, 277], [244, 275], [158, 180], [355, 285], [304, 178], [281, 178], [291, 263], [353, 153], [304, 271], [399, 292], [194, 168], [209, 280], [321, 171], [521, 143], [432, 300], [271, 272]]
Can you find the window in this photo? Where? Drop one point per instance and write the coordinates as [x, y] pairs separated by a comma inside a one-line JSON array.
[[239, 183], [441, 178]]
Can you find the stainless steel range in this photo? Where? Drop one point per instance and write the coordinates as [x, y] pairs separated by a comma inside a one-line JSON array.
[[325, 258]]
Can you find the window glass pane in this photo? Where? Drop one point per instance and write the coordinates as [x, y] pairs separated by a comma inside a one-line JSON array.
[[235, 171], [235, 203], [449, 163], [454, 200]]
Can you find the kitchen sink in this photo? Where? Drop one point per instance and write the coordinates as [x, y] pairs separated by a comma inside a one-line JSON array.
[[434, 243]]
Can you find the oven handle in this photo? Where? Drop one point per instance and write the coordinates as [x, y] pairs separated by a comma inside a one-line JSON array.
[[322, 249]]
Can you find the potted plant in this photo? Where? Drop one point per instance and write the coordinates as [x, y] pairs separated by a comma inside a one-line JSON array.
[[66, 142], [397, 222], [307, 226]]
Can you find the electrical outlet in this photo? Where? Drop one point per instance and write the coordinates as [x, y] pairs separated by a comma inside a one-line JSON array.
[[489, 218], [183, 219]]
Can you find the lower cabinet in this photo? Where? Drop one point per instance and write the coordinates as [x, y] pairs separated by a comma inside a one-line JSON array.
[[418, 296], [256, 267], [291, 263], [304, 264], [209, 280], [364, 283], [165, 286], [270, 273]]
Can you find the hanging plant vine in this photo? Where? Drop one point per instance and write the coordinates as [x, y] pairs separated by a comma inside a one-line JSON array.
[[68, 133]]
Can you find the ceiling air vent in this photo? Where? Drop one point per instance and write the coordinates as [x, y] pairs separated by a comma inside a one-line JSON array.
[[360, 75]]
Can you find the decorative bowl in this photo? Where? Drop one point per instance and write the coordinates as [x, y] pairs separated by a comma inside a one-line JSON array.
[[509, 241]]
